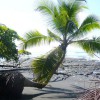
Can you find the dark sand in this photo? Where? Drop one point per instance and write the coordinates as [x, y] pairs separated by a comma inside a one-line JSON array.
[[81, 72], [69, 89]]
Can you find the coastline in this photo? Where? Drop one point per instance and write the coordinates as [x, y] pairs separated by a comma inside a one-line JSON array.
[[69, 89], [71, 66], [80, 71], [81, 66]]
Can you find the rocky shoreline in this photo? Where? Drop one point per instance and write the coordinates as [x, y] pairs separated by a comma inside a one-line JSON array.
[[81, 66], [76, 79], [70, 66]]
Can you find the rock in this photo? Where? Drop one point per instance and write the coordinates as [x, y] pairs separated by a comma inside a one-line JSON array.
[[11, 84]]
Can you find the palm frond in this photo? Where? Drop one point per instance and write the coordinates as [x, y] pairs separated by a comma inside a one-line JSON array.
[[89, 24], [51, 11], [71, 27], [23, 52], [44, 66], [90, 46], [46, 8], [67, 13], [59, 14], [21, 39], [56, 37], [35, 38], [72, 8]]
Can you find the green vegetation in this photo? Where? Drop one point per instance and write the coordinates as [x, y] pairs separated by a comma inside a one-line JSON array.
[[23, 52], [65, 29], [7, 43], [48, 65], [12, 83]]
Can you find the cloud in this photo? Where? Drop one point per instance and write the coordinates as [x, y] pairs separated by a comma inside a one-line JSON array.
[[22, 22]]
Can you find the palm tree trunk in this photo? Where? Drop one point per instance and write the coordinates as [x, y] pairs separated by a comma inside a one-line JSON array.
[[63, 47], [28, 83], [12, 84]]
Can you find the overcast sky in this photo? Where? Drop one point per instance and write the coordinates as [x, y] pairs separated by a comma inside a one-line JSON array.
[[20, 16]]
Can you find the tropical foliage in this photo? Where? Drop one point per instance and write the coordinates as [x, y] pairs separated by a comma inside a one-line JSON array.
[[23, 52], [47, 63], [64, 28], [7, 45]]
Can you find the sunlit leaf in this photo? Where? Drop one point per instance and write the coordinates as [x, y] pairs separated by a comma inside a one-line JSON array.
[[36, 38]]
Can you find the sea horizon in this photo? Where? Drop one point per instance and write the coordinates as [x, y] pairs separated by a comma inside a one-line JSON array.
[[71, 54]]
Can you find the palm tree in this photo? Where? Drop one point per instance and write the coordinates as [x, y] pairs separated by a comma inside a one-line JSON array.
[[65, 29]]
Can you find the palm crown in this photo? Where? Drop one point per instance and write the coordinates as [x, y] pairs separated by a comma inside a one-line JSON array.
[[63, 20]]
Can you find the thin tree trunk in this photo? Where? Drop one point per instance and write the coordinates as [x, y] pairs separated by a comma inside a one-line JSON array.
[[63, 47], [13, 83], [28, 83]]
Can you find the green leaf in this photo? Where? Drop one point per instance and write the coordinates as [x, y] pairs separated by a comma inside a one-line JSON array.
[[8, 48], [89, 24], [44, 66], [23, 52], [36, 38], [91, 46], [54, 36]]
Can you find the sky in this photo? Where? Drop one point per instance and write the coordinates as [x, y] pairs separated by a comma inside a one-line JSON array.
[[94, 6], [20, 16]]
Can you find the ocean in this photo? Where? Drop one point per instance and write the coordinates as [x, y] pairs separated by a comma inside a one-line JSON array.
[[72, 52], [82, 55]]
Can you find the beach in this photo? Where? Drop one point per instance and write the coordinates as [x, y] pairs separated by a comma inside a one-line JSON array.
[[79, 79], [62, 38], [69, 89]]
